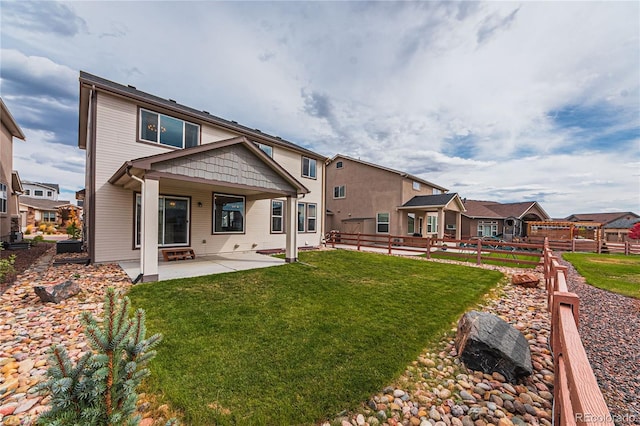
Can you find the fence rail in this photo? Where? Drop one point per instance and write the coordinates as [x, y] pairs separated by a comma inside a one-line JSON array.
[[577, 397], [478, 249]]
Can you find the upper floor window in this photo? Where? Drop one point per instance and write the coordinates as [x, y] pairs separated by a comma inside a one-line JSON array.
[[436, 191], [38, 193], [308, 167], [49, 194], [339, 191], [339, 165], [27, 192], [268, 149], [3, 198], [416, 185], [165, 130]]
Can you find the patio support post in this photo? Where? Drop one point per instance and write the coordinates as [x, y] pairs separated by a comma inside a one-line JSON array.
[[440, 222], [149, 237], [292, 230], [458, 225]]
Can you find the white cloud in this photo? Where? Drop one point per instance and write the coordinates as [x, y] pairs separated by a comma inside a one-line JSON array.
[[465, 94]]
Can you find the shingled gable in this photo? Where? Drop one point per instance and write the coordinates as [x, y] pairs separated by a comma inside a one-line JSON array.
[[252, 169], [438, 200], [89, 82]]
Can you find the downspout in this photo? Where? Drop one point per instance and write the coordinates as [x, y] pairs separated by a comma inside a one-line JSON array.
[[134, 177]]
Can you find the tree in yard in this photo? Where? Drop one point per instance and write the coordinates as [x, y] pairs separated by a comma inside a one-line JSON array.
[[634, 232], [100, 389]]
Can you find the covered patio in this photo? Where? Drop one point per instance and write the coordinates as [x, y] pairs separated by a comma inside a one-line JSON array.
[[205, 265], [423, 207], [222, 180]]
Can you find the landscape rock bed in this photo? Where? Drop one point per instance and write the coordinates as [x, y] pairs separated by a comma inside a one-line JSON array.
[[610, 330], [29, 328]]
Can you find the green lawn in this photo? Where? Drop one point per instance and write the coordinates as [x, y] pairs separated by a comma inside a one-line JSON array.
[[614, 272], [299, 343]]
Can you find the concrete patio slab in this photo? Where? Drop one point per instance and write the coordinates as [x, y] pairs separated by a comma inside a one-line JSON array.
[[205, 265]]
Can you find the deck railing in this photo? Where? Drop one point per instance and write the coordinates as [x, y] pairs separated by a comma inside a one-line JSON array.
[[577, 397]]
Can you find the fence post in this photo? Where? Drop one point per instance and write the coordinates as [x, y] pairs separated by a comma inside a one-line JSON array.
[[389, 243], [479, 253], [573, 244], [333, 239], [428, 247], [358, 241], [627, 249]]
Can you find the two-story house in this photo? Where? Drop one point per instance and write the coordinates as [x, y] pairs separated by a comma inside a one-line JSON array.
[[10, 184], [41, 191], [160, 174], [367, 198]]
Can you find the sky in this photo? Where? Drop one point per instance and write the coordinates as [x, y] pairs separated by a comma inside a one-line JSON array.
[[501, 101]]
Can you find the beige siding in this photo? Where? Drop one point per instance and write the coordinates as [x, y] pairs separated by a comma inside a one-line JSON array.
[[116, 143]]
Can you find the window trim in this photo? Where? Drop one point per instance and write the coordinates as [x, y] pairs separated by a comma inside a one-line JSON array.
[[157, 142], [411, 225], [314, 218], [137, 246], [416, 186], [344, 192], [493, 224], [379, 222], [261, 147], [315, 168], [281, 231], [4, 198], [432, 223], [213, 215], [41, 193]]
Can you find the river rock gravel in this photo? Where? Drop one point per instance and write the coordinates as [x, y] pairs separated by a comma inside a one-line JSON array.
[[610, 330]]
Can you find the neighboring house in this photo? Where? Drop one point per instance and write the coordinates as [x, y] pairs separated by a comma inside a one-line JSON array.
[[10, 184], [43, 191], [38, 211], [160, 174], [370, 199], [615, 226], [492, 219]]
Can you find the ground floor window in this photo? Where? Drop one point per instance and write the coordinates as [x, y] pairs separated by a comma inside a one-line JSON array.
[[48, 216], [277, 215], [487, 228], [382, 223], [307, 217], [228, 213], [173, 220], [411, 223], [432, 224]]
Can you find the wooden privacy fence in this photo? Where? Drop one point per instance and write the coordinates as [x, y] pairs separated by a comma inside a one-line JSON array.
[[576, 395], [478, 249]]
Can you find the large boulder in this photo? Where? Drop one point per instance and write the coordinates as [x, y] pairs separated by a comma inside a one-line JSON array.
[[487, 343], [57, 292], [526, 279]]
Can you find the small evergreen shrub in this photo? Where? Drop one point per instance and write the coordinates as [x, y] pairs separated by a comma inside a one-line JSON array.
[[28, 230], [100, 389]]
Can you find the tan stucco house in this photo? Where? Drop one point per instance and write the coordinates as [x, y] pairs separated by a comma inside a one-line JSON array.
[[493, 219], [367, 198], [10, 184], [160, 174]]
